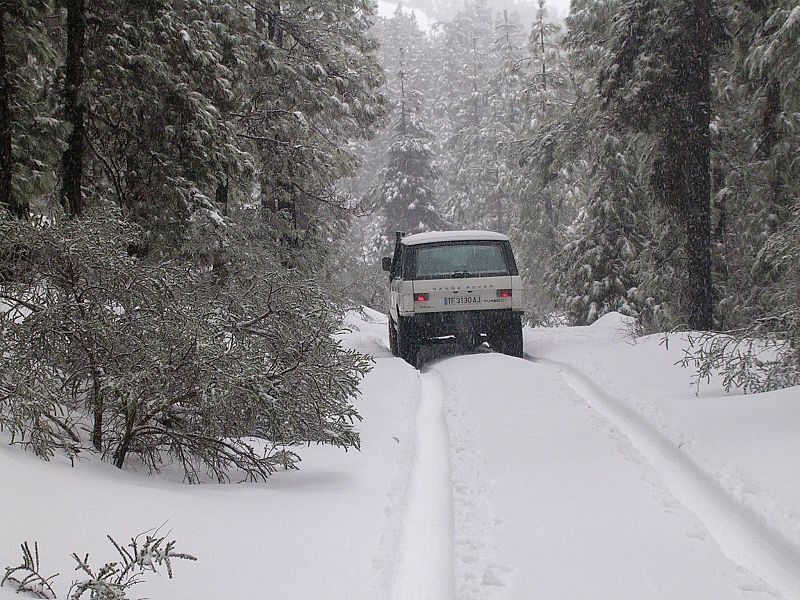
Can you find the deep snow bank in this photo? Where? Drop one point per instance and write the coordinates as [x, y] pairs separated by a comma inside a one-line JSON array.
[[329, 530], [332, 529], [747, 443]]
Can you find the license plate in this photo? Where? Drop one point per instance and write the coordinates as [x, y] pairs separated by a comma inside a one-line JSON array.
[[462, 300]]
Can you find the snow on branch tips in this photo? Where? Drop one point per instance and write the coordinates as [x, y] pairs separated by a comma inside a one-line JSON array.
[[221, 371]]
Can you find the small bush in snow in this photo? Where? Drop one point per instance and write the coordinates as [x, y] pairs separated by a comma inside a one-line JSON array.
[[751, 364], [214, 369], [27, 576], [765, 354], [112, 581]]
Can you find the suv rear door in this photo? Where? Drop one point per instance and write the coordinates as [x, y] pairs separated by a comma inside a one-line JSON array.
[[462, 275]]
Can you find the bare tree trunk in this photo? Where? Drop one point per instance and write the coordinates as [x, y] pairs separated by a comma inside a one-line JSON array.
[[698, 177], [7, 198], [98, 408], [769, 119], [275, 30], [125, 445], [222, 194], [72, 160], [770, 138]]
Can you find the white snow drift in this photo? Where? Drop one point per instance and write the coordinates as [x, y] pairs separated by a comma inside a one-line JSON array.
[[590, 469]]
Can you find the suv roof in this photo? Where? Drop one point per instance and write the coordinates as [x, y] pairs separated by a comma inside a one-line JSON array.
[[450, 236]]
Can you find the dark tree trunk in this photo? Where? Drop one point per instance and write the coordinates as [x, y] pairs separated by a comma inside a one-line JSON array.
[[222, 195], [7, 198], [72, 160], [275, 31], [98, 408], [672, 103], [769, 119], [770, 138], [124, 446], [698, 177], [698, 241]]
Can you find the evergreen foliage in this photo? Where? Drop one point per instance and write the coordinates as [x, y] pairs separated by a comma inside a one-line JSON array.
[[605, 239], [179, 320], [215, 370], [158, 93], [468, 184], [406, 191], [593, 171], [31, 136], [314, 88], [658, 83], [643, 162]]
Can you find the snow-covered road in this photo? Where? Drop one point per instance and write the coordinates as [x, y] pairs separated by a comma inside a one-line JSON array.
[[587, 470], [550, 499], [424, 568]]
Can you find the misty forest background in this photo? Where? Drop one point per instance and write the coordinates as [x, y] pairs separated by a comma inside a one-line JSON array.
[[194, 191]]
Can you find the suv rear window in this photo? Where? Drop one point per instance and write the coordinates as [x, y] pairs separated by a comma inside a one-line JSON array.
[[462, 259]]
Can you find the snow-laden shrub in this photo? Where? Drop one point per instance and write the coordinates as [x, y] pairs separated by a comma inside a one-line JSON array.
[[749, 364], [211, 368], [146, 553], [764, 354]]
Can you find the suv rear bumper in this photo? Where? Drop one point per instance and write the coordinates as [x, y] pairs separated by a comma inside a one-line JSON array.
[[439, 324]]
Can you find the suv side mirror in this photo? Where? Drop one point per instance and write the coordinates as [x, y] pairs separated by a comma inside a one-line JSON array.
[[386, 263]]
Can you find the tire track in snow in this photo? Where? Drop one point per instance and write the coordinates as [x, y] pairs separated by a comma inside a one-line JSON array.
[[424, 568], [740, 533]]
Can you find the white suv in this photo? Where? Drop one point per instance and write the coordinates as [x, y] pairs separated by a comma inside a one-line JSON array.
[[461, 284]]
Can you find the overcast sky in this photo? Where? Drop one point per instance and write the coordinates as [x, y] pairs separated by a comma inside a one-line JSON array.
[[562, 4], [560, 7], [386, 9]]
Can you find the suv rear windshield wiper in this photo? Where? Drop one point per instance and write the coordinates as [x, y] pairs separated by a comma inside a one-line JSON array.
[[462, 274]]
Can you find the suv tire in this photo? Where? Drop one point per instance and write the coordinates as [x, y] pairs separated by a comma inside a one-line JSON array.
[[393, 337], [407, 341], [508, 337]]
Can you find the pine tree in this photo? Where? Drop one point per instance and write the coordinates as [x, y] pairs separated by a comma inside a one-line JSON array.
[[546, 92], [152, 101], [658, 82], [500, 126], [544, 189], [398, 37], [596, 274], [30, 136], [466, 187], [406, 192], [314, 87], [6, 160], [73, 158], [756, 175], [544, 53]]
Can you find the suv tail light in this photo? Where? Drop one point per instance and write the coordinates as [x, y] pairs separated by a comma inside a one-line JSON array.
[[420, 297], [504, 293]]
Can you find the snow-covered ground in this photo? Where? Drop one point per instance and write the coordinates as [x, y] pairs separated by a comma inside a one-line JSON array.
[[590, 469]]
